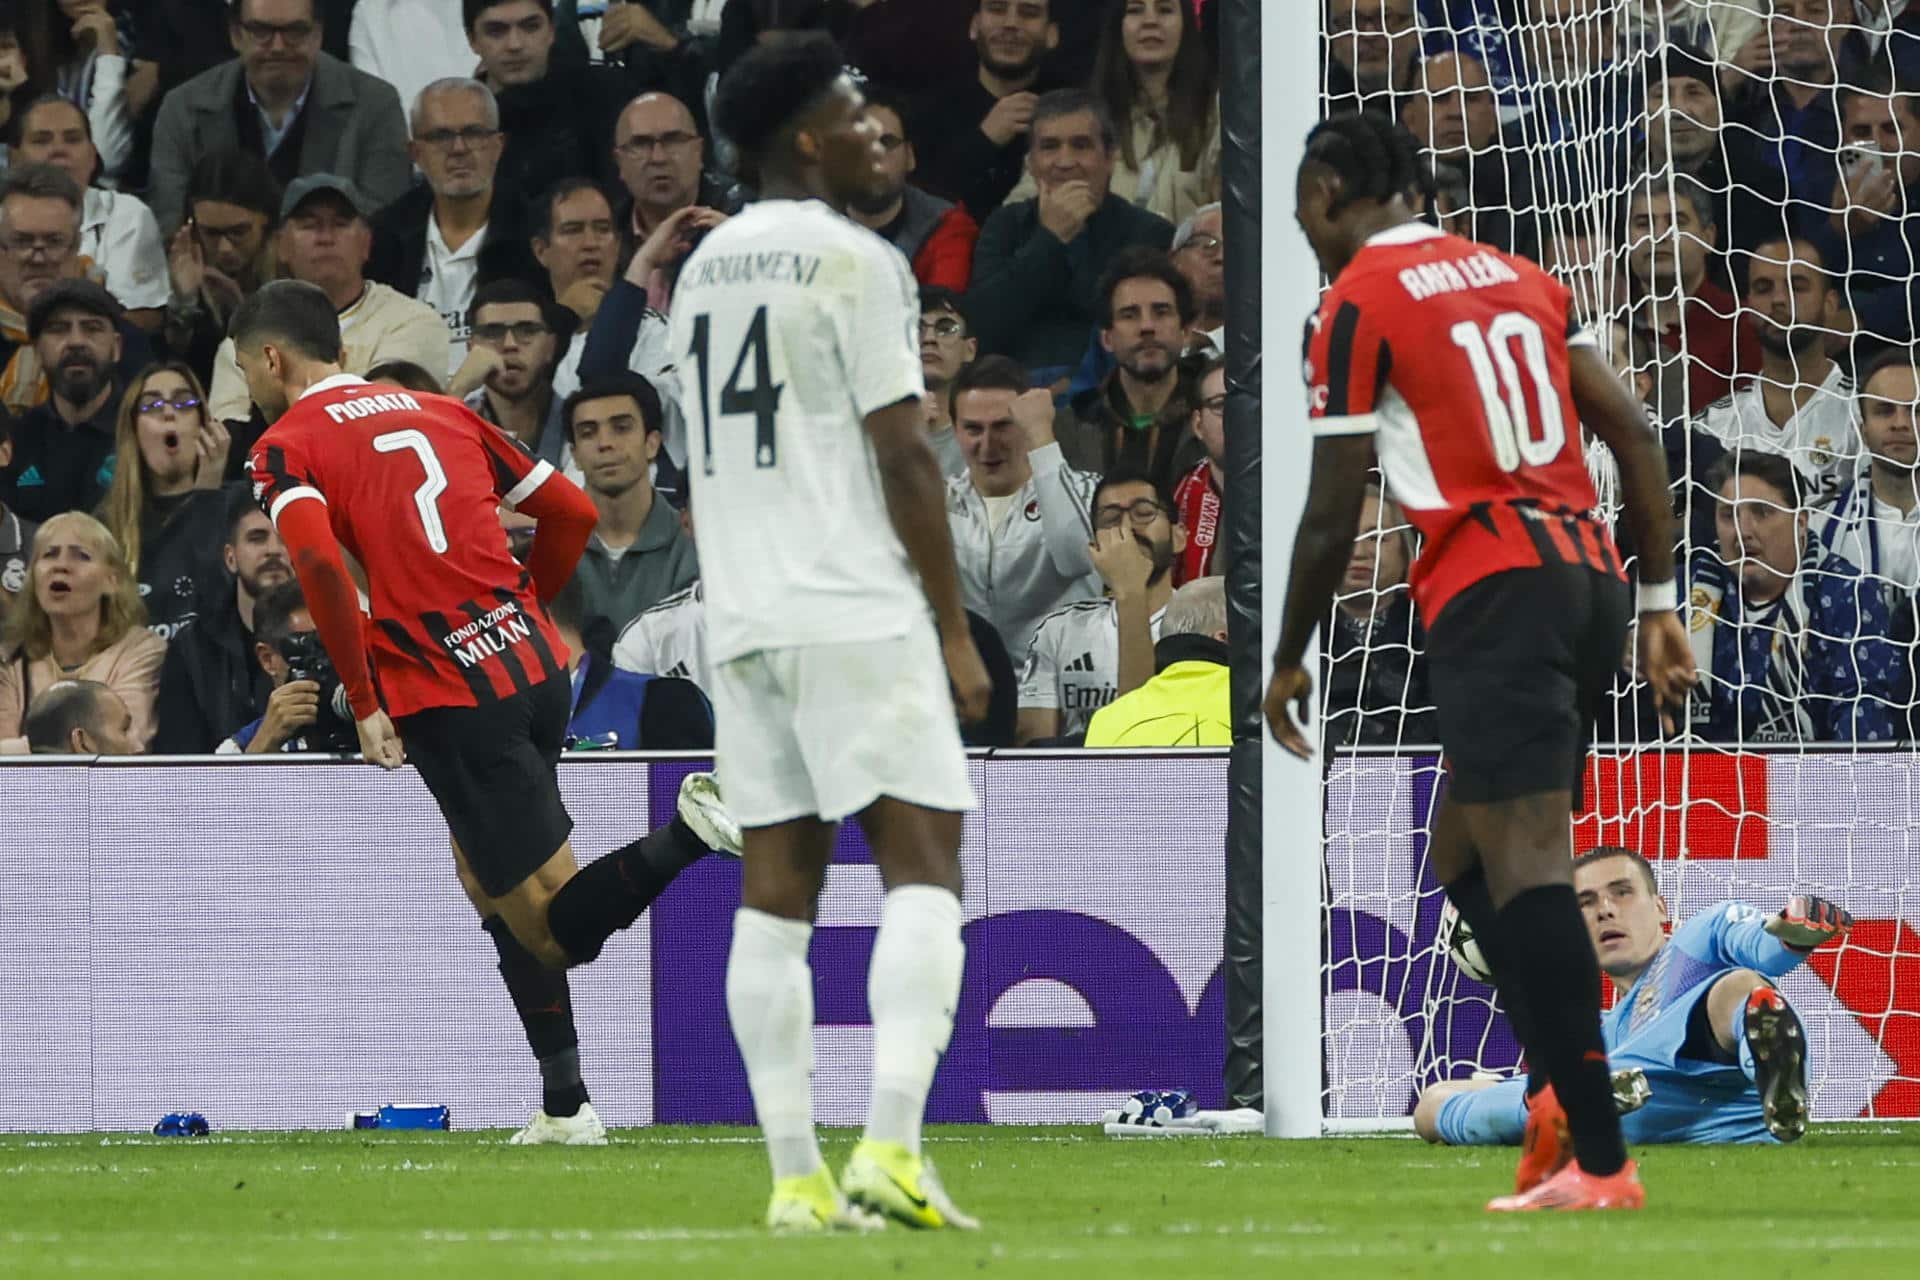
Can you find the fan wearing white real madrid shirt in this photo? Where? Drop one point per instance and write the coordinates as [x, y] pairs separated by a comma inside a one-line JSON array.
[[1801, 402], [1874, 523], [1089, 653], [1018, 513], [670, 639], [832, 600]]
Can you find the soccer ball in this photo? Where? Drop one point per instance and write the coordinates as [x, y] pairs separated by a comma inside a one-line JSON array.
[[1456, 937]]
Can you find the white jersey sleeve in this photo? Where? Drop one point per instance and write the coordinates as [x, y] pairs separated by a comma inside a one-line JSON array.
[[882, 344], [1040, 675]]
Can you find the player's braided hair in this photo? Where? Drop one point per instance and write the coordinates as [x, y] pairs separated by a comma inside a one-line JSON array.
[[1374, 158]]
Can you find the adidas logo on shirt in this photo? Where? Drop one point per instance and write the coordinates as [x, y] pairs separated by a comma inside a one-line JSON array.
[[1082, 663], [31, 476]]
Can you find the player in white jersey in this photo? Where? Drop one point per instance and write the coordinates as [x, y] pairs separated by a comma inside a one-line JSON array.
[[669, 639], [1086, 654], [823, 541]]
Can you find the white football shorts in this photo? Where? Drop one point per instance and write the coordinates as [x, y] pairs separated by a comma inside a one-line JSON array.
[[827, 729]]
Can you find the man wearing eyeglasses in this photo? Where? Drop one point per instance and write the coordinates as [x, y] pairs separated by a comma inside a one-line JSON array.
[[1086, 654], [935, 235], [324, 240], [947, 345], [662, 161], [1200, 252], [1200, 497], [442, 241], [510, 332], [284, 99], [39, 245]]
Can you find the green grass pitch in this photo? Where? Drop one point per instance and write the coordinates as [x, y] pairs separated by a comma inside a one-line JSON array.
[[1056, 1202]]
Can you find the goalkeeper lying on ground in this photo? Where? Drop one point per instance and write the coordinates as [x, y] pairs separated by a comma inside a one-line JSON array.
[[1722, 1049]]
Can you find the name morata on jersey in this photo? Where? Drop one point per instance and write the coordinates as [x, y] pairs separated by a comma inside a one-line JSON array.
[[1457, 357], [411, 484]]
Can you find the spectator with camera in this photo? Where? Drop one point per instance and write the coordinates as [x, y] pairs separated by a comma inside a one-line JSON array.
[[285, 100], [212, 682], [79, 718], [935, 236], [1088, 653], [638, 554], [1792, 642], [302, 713], [461, 230], [1871, 237], [1140, 415], [63, 448], [324, 240], [973, 133], [117, 232], [79, 618], [1802, 403], [166, 506], [1373, 667], [1019, 516], [1038, 263], [219, 255], [1186, 703]]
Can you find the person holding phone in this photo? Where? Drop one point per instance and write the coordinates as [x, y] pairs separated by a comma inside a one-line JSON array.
[[1869, 236]]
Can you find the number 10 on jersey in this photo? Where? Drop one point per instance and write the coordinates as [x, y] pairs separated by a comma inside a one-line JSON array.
[[762, 399], [1505, 399]]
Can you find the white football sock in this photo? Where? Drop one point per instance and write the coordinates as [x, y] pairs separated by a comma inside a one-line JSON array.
[[913, 987], [770, 1005]]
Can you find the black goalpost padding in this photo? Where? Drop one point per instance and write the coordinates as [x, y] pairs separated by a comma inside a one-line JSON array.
[[1240, 170]]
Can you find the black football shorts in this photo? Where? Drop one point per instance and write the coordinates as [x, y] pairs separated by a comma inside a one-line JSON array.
[[492, 769], [1520, 664]]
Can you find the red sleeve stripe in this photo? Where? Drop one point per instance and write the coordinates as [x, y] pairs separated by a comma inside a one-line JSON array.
[[294, 494], [528, 483]]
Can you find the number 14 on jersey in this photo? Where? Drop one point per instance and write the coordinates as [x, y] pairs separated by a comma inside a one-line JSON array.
[[761, 400]]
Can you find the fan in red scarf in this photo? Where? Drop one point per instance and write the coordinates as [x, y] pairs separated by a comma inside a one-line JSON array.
[[1197, 497]]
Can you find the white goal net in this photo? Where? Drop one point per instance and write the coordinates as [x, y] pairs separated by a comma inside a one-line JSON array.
[[1732, 190]]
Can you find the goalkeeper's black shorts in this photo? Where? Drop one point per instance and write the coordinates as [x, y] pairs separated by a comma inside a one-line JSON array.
[[1520, 663]]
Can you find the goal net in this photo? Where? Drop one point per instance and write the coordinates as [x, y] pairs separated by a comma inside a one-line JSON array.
[[1657, 155]]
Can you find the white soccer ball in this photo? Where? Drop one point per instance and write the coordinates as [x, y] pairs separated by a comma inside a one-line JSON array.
[[1456, 938]]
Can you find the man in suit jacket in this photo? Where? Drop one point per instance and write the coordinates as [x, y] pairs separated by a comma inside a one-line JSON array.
[[282, 98]]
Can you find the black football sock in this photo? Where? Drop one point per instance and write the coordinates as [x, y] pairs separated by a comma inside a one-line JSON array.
[[545, 1004], [1544, 940], [608, 894], [1471, 898]]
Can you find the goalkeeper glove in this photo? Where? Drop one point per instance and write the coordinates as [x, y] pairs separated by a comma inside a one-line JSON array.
[[1807, 922]]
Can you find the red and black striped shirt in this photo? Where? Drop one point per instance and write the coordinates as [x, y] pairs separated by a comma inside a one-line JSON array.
[[412, 484]]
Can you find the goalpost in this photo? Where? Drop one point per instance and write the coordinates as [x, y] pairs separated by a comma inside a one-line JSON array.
[[1358, 1007]]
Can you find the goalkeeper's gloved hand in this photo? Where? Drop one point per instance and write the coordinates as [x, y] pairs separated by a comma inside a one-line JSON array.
[[1807, 922]]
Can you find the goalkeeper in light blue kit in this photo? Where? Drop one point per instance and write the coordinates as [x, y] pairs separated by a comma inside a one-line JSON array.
[[1721, 1049]]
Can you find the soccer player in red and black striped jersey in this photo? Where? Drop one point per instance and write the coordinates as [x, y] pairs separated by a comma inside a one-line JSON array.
[[1465, 372], [460, 651]]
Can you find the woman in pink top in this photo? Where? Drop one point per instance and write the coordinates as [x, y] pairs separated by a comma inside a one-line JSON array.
[[80, 618]]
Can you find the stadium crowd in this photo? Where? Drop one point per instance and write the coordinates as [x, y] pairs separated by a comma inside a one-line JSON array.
[[499, 195]]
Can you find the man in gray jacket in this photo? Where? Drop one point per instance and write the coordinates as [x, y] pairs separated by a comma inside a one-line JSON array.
[[286, 101], [1019, 516], [639, 554]]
